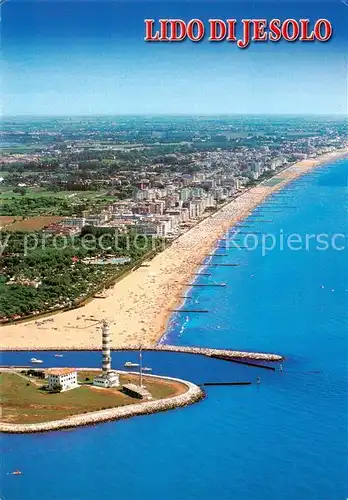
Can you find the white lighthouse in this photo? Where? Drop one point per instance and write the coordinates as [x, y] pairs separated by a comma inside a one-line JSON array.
[[108, 378]]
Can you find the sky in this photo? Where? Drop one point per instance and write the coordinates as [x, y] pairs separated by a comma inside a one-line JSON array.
[[90, 58]]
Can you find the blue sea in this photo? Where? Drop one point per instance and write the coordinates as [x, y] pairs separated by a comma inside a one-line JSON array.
[[285, 438]]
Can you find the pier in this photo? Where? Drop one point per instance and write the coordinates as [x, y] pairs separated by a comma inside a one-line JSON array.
[[266, 211], [260, 220], [280, 194], [236, 247], [281, 198], [274, 202], [190, 310], [249, 232], [223, 265], [201, 274], [206, 284], [217, 254], [224, 383], [247, 363]]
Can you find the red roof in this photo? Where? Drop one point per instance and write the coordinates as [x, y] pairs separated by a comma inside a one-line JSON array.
[[61, 371]]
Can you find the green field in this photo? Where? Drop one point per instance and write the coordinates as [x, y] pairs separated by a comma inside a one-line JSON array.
[[38, 201], [7, 192], [25, 402], [21, 148]]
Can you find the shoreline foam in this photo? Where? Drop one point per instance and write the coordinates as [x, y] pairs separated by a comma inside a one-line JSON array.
[[139, 306]]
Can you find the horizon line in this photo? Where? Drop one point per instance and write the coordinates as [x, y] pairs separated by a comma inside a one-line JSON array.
[[94, 115]]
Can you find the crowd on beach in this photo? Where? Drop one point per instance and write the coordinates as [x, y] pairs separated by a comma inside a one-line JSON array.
[[139, 305]]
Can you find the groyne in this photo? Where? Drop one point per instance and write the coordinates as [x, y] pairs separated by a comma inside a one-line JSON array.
[[211, 352], [192, 395], [204, 351], [244, 362]]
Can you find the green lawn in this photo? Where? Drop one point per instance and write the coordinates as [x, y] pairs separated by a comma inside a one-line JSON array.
[[25, 402], [159, 388], [6, 192]]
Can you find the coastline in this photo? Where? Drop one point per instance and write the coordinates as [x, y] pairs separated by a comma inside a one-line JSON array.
[[139, 306], [193, 394]]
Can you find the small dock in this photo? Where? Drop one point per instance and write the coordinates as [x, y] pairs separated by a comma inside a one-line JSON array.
[[224, 383], [247, 363], [224, 265], [260, 211], [190, 310], [249, 232], [236, 247], [260, 220], [278, 203], [281, 195], [207, 284]]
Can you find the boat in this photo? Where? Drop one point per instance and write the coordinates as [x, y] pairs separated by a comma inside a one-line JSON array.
[[147, 369], [129, 364], [16, 473], [37, 361], [58, 355]]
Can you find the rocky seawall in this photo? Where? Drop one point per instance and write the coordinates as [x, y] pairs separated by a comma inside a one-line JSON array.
[[207, 351], [192, 395], [204, 351]]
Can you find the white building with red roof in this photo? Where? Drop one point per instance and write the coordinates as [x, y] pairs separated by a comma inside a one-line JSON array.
[[64, 378]]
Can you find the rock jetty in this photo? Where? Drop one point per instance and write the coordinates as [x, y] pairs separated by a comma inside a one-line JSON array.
[[208, 351], [204, 351]]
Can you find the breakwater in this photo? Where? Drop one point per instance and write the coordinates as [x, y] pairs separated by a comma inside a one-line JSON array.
[[245, 362], [204, 351], [192, 395], [211, 384]]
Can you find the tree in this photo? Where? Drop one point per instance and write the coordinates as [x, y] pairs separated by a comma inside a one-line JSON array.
[[20, 190]]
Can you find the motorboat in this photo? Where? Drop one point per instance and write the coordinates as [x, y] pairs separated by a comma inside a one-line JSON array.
[[58, 355], [36, 361], [129, 364], [147, 369]]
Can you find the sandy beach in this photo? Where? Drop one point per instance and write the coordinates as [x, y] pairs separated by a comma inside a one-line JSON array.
[[139, 305]]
